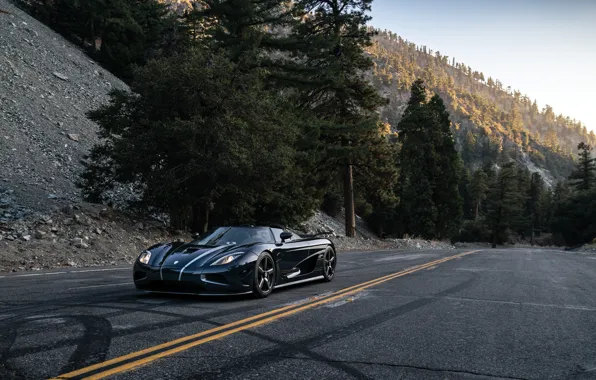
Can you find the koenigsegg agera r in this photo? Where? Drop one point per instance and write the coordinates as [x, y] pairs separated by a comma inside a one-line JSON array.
[[235, 260]]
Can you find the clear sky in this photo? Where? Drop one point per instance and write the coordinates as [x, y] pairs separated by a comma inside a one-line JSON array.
[[544, 48]]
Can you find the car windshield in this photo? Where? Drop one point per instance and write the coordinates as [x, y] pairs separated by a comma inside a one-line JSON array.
[[235, 235]]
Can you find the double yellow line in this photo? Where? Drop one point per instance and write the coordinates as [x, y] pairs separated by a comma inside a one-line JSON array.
[[143, 357]]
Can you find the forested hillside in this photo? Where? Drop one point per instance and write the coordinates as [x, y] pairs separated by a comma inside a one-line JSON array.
[[492, 122], [230, 121]]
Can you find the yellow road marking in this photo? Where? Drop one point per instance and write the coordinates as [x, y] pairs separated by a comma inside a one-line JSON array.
[[283, 312]]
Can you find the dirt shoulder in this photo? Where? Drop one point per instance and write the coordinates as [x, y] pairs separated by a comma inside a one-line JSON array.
[[79, 235], [87, 235]]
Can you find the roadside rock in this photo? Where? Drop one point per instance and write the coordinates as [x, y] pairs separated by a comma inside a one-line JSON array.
[[61, 76], [119, 241]]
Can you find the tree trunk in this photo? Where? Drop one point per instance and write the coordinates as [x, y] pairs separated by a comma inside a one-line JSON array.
[[532, 236], [200, 217], [477, 208], [179, 218], [349, 202]]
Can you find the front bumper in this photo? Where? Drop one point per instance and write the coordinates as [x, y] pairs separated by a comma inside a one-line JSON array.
[[232, 279]]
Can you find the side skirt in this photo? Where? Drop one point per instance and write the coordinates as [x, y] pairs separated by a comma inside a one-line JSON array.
[[298, 282], [197, 294]]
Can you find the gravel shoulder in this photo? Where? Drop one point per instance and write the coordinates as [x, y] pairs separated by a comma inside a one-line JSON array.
[[84, 235]]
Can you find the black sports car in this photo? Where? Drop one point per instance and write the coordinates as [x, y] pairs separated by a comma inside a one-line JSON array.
[[235, 260]]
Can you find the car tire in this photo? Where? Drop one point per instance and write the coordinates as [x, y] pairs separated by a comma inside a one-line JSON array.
[[264, 275], [329, 264]]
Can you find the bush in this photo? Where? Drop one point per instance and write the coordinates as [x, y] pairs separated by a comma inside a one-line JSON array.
[[363, 208], [332, 204], [472, 231]]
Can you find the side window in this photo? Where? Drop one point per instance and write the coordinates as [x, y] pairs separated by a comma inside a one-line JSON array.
[[277, 232]]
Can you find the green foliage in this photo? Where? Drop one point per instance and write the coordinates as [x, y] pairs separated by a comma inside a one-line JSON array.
[[201, 137], [325, 71], [478, 190], [472, 231], [446, 195], [535, 202], [430, 202], [238, 26], [505, 205], [117, 33], [584, 177], [575, 218], [332, 203]]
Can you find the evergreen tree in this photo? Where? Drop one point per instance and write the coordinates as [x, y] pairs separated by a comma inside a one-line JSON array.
[[534, 203], [547, 205], [575, 218], [198, 138], [375, 181], [516, 120], [418, 165], [239, 26], [504, 204], [464, 190], [331, 39], [478, 190], [446, 196], [584, 176], [117, 33], [430, 202]]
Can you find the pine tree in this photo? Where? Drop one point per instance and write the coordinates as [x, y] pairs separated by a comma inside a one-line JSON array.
[[534, 203], [241, 26], [418, 165], [584, 176], [430, 202], [478, 190], [574, 219], [464, 190], [331, 47], [119, 34], [504, 204], [516, 119], [198, 137], [446, 196]]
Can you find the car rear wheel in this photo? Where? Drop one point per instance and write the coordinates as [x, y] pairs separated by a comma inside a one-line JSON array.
[[329, 263], [264, 280]]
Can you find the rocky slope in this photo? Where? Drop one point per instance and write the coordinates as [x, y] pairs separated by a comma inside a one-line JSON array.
[[76, 236], [83, 235], [46, 87]]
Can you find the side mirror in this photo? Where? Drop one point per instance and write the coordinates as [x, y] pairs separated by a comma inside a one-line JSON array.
[[285, 236]]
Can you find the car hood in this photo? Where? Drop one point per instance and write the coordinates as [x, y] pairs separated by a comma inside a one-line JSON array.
[[190, 253]]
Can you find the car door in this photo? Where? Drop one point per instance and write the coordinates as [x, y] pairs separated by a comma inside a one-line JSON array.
[[290, 253]]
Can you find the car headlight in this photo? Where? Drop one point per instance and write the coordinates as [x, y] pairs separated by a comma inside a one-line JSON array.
[[145, 256], [228, 258]]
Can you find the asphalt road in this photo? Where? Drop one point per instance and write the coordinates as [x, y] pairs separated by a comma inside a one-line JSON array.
[[493, 314]]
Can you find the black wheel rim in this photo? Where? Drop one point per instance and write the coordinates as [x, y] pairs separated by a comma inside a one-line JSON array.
[[265, 274], [329, 264]]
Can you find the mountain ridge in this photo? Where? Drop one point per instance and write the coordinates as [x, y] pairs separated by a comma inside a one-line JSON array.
[[491, 122]]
